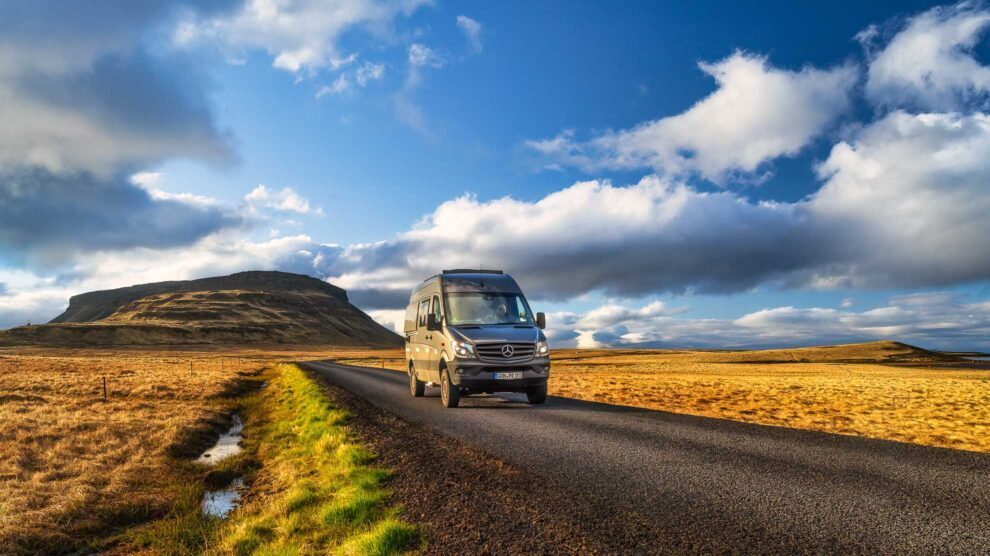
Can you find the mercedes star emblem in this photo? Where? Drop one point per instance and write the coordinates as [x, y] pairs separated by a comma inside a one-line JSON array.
[[507, 351]]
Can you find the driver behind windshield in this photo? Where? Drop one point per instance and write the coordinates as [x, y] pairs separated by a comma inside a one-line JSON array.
[[478, 308]]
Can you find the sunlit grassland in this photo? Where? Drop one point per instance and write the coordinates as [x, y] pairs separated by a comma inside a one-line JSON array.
[[75, 467], [76, 471], [313, 488], [936, 403]]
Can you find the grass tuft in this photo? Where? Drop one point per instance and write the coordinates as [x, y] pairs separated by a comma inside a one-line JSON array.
[[387, 537], [358, 505], [316, 489]]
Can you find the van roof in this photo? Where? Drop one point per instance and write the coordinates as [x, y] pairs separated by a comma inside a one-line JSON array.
[[465, 280], [470, 271]]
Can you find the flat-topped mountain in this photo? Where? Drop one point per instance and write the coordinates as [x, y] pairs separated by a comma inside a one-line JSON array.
[[244, 308], [93, 306]]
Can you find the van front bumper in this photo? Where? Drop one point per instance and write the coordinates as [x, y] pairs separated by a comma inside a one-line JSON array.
[[473, 376]]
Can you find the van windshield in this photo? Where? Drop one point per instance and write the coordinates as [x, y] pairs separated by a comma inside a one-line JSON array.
[[487, 308]]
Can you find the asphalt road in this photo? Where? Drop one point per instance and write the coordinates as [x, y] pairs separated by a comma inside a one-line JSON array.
[[684, 484]]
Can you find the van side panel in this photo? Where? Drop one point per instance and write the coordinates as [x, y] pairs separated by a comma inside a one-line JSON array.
[[417, 340], [408, 330]]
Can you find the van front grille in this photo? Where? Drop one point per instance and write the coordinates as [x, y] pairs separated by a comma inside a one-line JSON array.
[[497, 352]]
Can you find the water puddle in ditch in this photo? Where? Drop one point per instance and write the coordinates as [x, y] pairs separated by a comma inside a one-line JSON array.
[[227, 445], [219, 503]]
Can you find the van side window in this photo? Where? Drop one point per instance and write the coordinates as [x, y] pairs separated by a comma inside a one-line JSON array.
[[424, 308], [410, 324], [436, 308]]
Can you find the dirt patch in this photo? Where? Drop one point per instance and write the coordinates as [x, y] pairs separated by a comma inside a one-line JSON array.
[[468, 502]]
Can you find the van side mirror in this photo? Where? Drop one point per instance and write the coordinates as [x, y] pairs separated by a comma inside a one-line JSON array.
[[541, 320], [432, 323]]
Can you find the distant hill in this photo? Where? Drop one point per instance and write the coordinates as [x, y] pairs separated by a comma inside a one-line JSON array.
[[884, 352], [245, 308]]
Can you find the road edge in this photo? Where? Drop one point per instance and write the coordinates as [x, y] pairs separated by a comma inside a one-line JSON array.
[[471, 501]]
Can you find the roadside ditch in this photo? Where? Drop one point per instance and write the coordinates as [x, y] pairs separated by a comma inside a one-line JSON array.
[[281, 473]]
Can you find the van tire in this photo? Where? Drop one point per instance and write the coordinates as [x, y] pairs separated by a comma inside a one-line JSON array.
[[416, 386], [537, 394], [450, 394]]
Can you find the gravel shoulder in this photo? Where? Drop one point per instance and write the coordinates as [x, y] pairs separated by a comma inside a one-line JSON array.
[[464, 500]]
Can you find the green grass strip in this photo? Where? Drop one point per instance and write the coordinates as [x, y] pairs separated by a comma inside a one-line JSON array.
[[314, 489]]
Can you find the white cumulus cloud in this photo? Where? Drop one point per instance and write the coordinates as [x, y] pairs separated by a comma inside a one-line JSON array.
[[472, 31], [407, 110], [369, 72], [654, 235], [929, 62], [757, 113], [346, 82], [393, 319], [300, 35], [339, 86], [905, 202], [422, 55], [611, 315], [285, 200]]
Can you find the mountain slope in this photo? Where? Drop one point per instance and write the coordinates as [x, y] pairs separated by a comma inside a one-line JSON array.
[[244, 308], [93, 306]]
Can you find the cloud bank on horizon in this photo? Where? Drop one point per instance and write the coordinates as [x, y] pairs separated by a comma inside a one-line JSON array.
[[901, 202]]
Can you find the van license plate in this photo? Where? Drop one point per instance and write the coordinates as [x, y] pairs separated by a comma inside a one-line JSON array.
[[508, 376]]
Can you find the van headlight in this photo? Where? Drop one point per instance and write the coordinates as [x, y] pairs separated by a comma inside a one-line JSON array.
[[542, 348], [463, 349]]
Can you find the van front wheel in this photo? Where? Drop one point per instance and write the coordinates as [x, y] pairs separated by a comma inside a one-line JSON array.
[[450, 394], [416, 386], [537, 394]]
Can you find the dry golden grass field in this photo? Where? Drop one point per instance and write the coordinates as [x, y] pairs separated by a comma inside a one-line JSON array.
[[880, 390], [74, 467]]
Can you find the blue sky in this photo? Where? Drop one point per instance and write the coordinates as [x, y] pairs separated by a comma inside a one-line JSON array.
[[587, 67], [710, 174]]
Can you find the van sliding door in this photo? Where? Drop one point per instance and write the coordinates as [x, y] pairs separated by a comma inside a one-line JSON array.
[[420, 345], [435, 341]]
